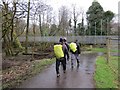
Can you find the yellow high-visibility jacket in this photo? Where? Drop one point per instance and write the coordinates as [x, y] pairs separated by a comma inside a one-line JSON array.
[[58, 51], [73, 46]]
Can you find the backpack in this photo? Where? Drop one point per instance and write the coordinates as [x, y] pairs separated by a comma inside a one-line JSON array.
[[73, 46], [58, 51]]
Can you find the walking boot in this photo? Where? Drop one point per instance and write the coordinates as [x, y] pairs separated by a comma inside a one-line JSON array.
[[64, 71], [58, 75]]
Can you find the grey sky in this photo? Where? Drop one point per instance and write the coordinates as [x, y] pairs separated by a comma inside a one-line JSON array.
[[111, 5], [84, 4]]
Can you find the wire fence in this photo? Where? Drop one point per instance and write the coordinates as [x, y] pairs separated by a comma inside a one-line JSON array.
[[113, 55]]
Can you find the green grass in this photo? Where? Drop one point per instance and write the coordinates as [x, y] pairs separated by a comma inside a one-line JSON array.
[[114, 50], [114, 62], [104, 76], [98, 49], [103, 50], [38, 66]]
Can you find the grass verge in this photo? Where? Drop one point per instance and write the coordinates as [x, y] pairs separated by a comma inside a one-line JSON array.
[[99, 49], [34, 68], [104, 76]]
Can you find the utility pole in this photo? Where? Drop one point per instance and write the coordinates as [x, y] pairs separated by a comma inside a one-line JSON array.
[[101, 27], [95, 32], [101, 30], [107, 27], [89, 32], [95, 28]]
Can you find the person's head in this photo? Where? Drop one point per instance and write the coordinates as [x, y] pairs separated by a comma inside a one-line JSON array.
[[65, 39], [60, 40], [76, 41]]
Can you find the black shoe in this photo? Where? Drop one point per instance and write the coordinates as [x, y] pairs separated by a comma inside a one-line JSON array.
[[78, 64], [64, 71], [72, 66], [58, 75]]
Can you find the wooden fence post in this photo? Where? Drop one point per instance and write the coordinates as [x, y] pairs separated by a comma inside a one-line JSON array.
[[108, 50]]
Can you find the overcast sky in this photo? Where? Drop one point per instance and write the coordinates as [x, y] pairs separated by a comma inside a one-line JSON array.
[[84, 4], [111, 5]]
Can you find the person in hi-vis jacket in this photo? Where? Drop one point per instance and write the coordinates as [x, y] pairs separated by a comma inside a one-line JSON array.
[[75, 51], [60, 51]]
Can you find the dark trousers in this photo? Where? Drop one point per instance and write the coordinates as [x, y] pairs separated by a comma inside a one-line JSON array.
[[63, 62]]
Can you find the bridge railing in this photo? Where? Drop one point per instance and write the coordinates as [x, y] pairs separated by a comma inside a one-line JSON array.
[[81, 39]]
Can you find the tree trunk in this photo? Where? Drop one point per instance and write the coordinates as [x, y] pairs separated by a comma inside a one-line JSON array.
[[26, 46], [40, 26], [6, 30]]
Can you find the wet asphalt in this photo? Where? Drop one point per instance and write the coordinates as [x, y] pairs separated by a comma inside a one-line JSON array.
[[78, 77]]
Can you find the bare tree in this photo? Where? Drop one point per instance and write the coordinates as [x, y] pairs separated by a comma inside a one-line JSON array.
[[40, 11], [26, 46], [75, 16], [8, 26], [63, 20], [13, 12]]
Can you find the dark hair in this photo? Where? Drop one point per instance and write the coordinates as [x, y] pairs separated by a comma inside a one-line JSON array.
[[76, 40], [61, 40], [64, 40]]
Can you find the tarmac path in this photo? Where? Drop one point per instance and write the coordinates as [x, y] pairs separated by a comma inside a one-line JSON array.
[[78, 77]]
